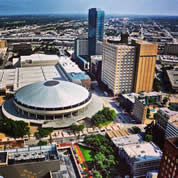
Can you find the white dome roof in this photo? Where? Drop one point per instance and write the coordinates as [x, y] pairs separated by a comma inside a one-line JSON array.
[[52, 94]]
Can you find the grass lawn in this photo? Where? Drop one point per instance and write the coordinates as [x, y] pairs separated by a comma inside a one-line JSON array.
[[86, 153], [106, 123]]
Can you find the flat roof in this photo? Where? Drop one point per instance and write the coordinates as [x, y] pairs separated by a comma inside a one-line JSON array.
[[169, 58], [173, 77], [171, 115], [127, 140], [131, 96], [143, 151], [118, 133], [97, 57], [72, 69], [20, 77], [39, 57]]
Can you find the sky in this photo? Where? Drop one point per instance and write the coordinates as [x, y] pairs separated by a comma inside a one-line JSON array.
[[164, 7]]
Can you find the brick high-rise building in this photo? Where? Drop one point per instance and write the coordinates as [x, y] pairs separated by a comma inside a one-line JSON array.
[[169, 161], [128, 67], [145, 65]]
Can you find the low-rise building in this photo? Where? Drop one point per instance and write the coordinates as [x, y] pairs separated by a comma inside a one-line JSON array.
[[167, 122], [15, 79], [173, 78], [169, 60], [73, 72], [142, 103], [141, 158], [171, 49], [38, 60], [128, 100], [121, 141]]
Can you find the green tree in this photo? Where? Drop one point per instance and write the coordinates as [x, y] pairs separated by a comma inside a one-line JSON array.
[[44, 132], [106, 114], [124, 92], [41, 143], [136, 129], [100, 160], [14, 129], [96, 174], [148, 137], [165, 100], [77, 128], [148, 113], [156, 85], [154, 116]]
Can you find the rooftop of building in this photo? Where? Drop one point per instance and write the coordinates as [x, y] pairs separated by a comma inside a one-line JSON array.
[[173, 99], [97, 57], [127, 140], [131, 96], [141, 96], [143, 151], [20, 77], [60, 163], [118, 133], [52, 94], [39, 57], [72, 69], [142, 42], [169, 58], [171, 115], [173, 77]]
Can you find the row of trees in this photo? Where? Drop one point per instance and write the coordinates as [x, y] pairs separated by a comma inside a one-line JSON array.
[[77, 128], [104, 155], [14, 129], [43, 132], [106, 114]]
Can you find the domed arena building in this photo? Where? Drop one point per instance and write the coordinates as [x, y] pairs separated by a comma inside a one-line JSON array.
[[53, 103]]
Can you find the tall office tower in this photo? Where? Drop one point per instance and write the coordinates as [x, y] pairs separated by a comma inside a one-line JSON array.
[[145, 65], [169, 161], [118, 66], [81, 47], [95, 28]]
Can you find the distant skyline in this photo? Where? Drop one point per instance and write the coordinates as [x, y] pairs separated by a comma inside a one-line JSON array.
[[142, 7]]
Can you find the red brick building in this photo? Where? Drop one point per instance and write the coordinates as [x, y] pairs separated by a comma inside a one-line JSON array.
[[169, 161]]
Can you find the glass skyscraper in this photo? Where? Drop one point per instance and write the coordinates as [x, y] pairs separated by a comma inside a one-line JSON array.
[[95, 29]]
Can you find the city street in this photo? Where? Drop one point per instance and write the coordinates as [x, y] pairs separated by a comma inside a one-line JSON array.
[[112, 102]]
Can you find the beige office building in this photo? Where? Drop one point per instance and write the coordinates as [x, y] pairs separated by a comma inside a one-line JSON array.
[[128, 67], [118, 66]]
